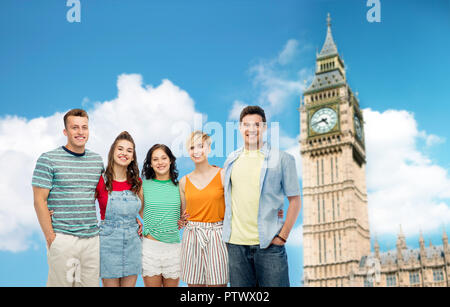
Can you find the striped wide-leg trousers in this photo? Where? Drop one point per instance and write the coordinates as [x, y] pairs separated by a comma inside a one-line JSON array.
[[204, 255]]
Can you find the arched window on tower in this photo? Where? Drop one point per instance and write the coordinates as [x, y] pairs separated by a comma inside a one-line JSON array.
[[323, 176], [334, 241], [323, 209], [338, 206], [318, 210], [332, 175], [320, 250], [336, 164], [318, 172], [332, 202]]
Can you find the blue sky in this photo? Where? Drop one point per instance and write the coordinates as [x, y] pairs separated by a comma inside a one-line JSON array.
[[227, 53]]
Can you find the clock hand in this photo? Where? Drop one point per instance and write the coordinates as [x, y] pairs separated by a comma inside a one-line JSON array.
[[318, 122]]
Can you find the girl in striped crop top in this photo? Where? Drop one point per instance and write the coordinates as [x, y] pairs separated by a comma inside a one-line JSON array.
[[161, 243]]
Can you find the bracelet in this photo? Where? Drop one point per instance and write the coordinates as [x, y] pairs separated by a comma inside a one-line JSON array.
[[281, 238]]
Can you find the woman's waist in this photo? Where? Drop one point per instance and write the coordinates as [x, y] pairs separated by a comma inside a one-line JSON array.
[[213, 215], [163, 223], [157, 231], [205, 212], [171, 236], [204, 225]]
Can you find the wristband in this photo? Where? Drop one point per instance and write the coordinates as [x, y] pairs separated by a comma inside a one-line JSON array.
[[281, 238]]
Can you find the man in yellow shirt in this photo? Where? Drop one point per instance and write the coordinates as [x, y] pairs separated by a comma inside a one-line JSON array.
[[257, 180], [245, 197]]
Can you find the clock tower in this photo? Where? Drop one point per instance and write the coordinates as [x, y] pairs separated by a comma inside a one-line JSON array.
[[335, 218]]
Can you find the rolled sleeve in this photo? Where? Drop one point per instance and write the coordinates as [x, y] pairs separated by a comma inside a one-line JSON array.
[[290, 180]]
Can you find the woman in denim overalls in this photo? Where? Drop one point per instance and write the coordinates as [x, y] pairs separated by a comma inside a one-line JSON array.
[[119, 194]]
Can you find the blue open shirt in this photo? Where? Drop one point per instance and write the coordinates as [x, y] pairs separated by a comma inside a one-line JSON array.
[[278, 180]]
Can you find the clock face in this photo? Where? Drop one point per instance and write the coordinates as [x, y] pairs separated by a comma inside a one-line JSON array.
[[323, 120], [358, 127]]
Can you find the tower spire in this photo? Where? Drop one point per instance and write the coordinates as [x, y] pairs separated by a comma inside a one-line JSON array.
[[401, 240], [421, 242], [445, 240], [329, 47], [376, 248], [329, 65]]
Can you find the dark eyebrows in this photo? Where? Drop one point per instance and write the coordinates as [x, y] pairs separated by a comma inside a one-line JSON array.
[[125, 148], [161, 156]]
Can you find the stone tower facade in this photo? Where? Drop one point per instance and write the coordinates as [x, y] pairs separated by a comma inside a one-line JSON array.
[[335, 219]]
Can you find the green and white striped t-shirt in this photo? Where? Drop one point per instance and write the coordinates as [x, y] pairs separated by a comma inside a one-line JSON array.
[[71, 179], [161, 210]]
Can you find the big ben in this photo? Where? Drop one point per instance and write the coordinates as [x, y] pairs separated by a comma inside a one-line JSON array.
[[335, 219]]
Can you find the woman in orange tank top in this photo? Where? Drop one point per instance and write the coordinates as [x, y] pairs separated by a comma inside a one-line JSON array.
[[204, 256]]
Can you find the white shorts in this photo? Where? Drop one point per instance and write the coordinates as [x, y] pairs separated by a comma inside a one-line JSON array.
[[159, 258], [204, 255]]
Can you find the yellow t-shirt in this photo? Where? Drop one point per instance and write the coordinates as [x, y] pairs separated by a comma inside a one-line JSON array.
[[245, 192]]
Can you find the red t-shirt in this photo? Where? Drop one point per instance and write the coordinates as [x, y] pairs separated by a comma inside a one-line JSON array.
[[102, 193]]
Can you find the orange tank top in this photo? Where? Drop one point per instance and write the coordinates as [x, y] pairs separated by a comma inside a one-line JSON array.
[[208, 204]]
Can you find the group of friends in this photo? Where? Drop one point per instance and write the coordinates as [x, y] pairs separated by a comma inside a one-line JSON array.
[[234, 232]]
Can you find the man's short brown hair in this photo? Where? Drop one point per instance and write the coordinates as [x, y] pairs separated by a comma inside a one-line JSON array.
[[75, 112], [253, 110]]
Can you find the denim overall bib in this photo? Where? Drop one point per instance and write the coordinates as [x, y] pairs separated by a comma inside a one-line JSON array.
[[120, 245]]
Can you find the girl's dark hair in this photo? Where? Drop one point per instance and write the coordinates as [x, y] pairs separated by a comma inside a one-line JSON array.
[[132, 170], [147, 170]]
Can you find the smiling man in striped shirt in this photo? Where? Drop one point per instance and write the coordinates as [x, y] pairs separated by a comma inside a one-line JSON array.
[[64, 182]]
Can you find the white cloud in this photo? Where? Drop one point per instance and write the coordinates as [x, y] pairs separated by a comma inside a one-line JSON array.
[[431, 139], [289, 51], [276, 83], [404, 186], [275, 89], [236, 110], [150, 114], [292, 146]]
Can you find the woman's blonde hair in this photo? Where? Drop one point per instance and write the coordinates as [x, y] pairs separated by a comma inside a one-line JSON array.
[[197, 135]]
